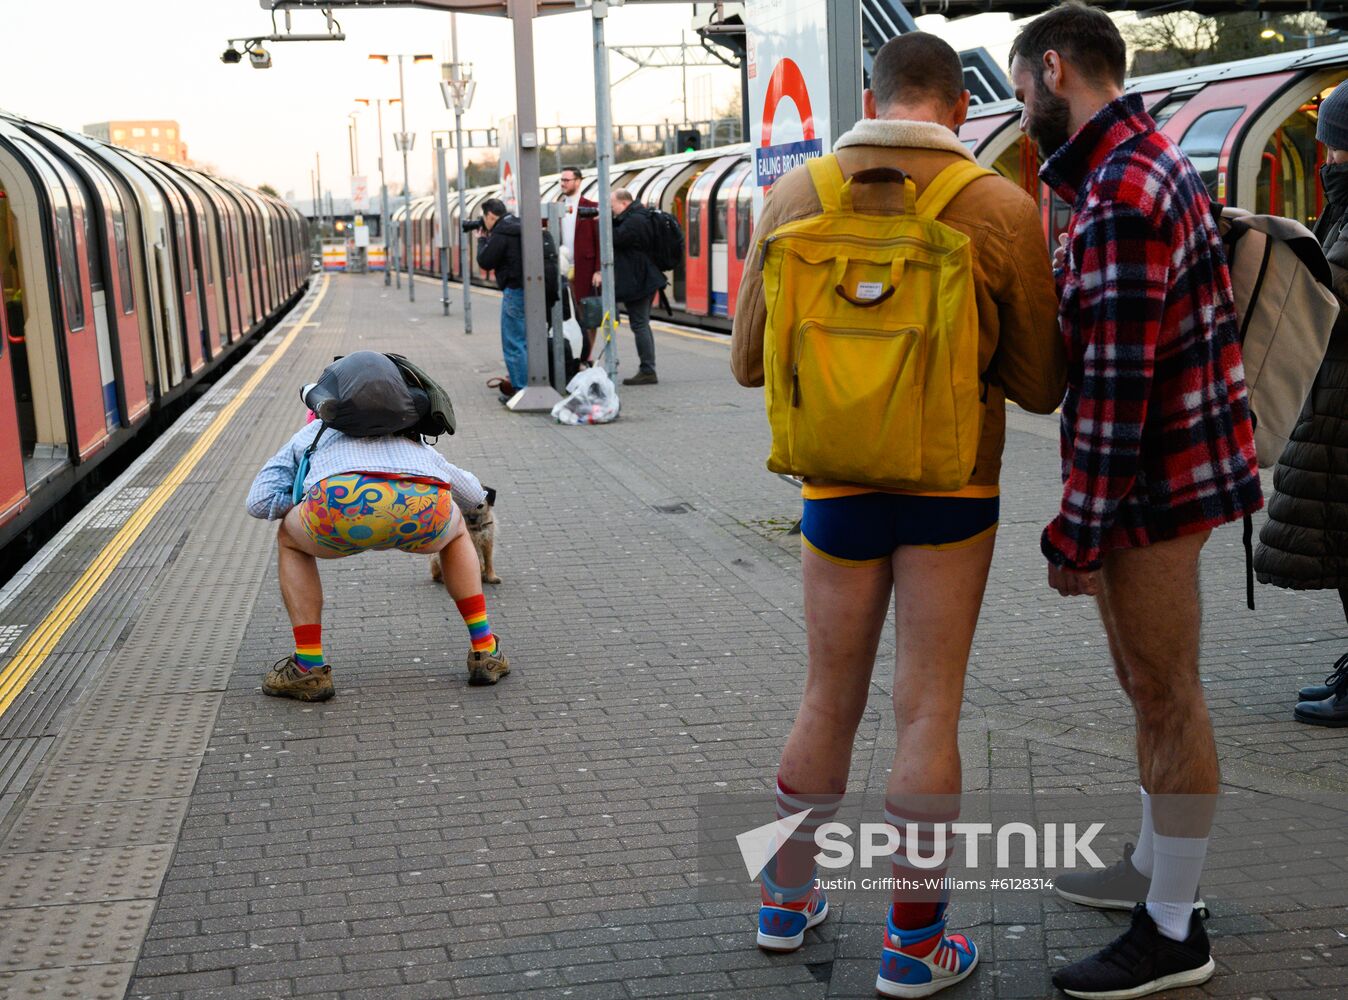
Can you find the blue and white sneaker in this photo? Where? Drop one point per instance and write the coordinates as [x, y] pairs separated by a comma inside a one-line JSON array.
[[786, 914], [920, 962]]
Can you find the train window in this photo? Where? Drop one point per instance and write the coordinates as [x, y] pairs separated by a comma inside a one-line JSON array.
[[1203, 142], [1163, 112], [695, 228], [720, 219], [127, 286], [743, 222], [67, 263]]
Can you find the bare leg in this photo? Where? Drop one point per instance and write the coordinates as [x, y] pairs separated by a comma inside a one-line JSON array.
[[844, 614], [459, 567], [937, 596], [1150, 605], [297, 568]]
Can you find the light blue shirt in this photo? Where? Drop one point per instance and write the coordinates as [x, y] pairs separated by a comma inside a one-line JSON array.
[[336, 454]]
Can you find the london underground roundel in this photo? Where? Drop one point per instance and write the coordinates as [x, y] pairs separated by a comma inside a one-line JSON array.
[[772, 161]]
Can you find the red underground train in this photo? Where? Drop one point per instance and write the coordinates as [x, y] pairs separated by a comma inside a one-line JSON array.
[[1248, 126], [125, 281]]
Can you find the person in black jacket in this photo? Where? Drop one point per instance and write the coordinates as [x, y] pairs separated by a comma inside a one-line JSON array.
[[499, 250], [1304, 543], [636, 278]]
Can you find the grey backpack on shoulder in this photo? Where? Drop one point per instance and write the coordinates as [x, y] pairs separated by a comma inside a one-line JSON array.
[[1287, 308]]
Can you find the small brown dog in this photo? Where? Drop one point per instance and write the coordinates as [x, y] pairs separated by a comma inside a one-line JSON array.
[[482, 530]]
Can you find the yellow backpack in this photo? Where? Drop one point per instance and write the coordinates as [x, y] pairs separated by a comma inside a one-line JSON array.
[[871, 346]]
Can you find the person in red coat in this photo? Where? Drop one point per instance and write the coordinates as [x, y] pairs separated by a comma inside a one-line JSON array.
[[581, 239]]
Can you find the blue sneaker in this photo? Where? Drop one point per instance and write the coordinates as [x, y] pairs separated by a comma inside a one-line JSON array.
[[920, 962], [786, 914]]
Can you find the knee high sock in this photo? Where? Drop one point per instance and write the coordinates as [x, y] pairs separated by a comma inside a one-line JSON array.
[[308, 646], [1177, 866], [1143, 857], [921, 901], [793, 865], [474, 612]]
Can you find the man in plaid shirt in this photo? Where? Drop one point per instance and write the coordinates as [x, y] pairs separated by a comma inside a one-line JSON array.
[[1158, 449]]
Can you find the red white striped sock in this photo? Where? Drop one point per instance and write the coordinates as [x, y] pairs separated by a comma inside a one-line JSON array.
[[793, 865], [920, 892]]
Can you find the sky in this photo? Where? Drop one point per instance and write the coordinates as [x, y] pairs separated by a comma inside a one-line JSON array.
[[84, 61]]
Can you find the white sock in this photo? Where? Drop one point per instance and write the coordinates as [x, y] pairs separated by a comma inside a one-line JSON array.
[[1142, 853], [1178, 863]]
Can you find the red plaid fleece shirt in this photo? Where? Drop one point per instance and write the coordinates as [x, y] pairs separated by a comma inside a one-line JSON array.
[[1156, 433]]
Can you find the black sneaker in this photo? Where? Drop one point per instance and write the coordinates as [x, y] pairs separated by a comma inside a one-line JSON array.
[[1140, 962], [642, 378], [1319, 692], [1118, 887]]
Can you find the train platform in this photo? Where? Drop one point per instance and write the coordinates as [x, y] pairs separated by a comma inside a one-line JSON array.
[[168, 832]]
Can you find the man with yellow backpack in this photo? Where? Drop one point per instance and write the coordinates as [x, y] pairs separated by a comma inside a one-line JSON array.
[[897, 296]]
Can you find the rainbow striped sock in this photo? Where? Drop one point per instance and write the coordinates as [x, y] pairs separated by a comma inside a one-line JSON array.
[[474, 612], [308, 646]]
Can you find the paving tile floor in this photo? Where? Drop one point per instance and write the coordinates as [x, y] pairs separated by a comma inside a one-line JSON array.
[[418, 838]]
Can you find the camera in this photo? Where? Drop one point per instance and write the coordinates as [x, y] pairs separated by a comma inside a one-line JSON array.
[[472, 225], [587, 212]]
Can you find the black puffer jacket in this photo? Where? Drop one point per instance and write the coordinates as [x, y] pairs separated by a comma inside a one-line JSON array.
[[1304, 543], [635, 276]]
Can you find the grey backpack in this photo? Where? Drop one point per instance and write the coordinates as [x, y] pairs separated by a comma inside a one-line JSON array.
[[1287, 307]]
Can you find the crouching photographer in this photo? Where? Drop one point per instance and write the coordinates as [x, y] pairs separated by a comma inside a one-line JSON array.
[[500, 251]]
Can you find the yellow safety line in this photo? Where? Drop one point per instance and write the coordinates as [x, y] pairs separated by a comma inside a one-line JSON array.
[[724, 339], [43, 639]]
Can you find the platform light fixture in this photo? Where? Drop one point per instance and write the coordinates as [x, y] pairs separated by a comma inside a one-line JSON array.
[[404, 141]]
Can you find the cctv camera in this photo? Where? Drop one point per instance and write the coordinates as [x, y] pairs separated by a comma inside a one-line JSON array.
[[231, 56], [260, 58]]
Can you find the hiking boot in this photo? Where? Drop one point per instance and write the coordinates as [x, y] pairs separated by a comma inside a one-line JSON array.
[[1118, 887], [918, 963], [1331, 711], [642, 378], [1140, 962], [1319, 692], [286, 680], [785, 915], [487, 668]]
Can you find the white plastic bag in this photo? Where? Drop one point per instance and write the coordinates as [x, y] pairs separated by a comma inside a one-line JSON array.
[[592, 399], [571, 331]]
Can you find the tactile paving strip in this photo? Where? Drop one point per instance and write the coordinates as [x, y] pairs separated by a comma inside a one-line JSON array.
[[97, 825], [18, 760], [92, 982], [48, 878], [126, 781], [49, 937], [141, 729]]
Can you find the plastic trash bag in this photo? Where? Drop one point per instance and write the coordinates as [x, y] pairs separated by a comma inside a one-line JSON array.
[[592, 399]]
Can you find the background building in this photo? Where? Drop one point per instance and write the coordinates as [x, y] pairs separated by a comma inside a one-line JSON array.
[[159, 138]]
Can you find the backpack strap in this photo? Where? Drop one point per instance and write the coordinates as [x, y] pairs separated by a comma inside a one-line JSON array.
[[828, 181], [945, 185]]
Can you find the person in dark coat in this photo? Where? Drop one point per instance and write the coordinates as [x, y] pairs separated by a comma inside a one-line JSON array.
[[636, 278], [1304, 543]]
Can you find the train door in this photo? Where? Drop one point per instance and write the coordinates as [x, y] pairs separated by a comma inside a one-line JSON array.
[[668, 191], [700, 236], [201, 227], [13, 490], [121, 361], [161, 337], [1279, 158], [231, 264], [55, 352], [734, 230], [179, 249], [248, 224]]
